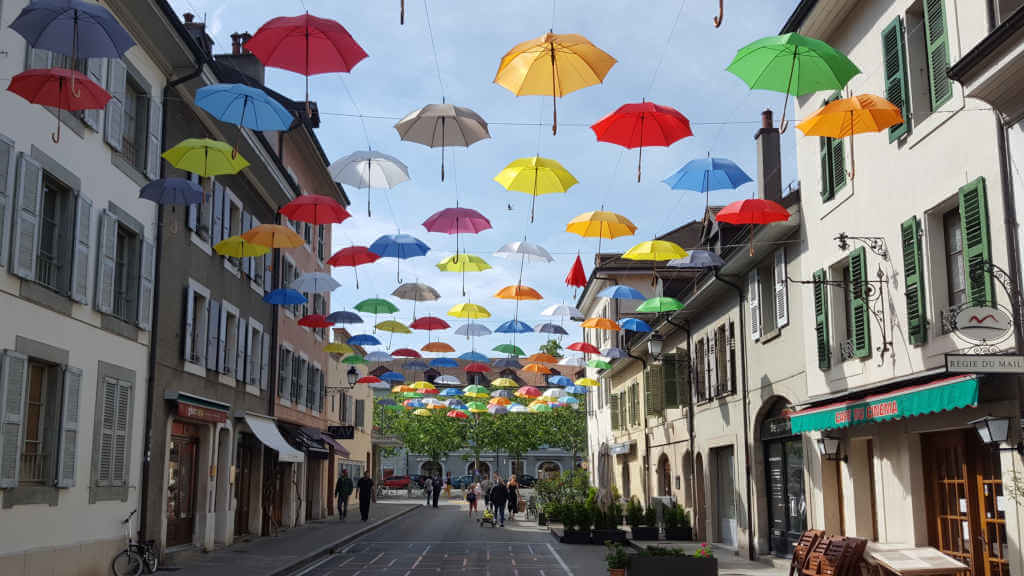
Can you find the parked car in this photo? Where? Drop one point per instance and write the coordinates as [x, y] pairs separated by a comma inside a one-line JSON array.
[[462, 481], [526, 481], [396, 482], [417, 480]]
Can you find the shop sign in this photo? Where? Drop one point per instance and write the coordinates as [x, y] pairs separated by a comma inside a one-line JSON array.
[[983, 325], [342, 432], [622, 448], [985, 363], [203, 414], [778, 427]]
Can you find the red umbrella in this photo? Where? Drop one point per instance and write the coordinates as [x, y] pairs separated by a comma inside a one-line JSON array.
[[577, 277], [753, 211], [406, 353], [315, 321], [315, 209], [369, 380], [642, 124], [307, 45], [583, 347], [429, 323], [478, 367], [53, 87], [353, 256]]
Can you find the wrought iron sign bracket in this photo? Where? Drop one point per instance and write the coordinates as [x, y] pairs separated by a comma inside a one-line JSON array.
[[874, 243]]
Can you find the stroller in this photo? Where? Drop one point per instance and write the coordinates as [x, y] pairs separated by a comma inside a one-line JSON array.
[[488, 518]]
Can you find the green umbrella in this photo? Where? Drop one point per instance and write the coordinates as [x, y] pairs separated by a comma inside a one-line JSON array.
[[353, 359], [376, 306], [600, 364], [412, 395], [509, 349], [660, 304], [792, 64]]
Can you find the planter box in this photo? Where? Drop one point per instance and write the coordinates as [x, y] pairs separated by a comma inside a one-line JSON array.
[[599, 537], [644, 533], [642, 565], [575, 537], [680, 533]]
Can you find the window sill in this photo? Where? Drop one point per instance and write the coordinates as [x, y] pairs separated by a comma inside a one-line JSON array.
[[254, 390], [231, 268], [769, 336], [130, 171], [28, 495], [46, 297], [256, 287], [195, 369], [203, 245], [226, 379], [118, 326], [284, 402]]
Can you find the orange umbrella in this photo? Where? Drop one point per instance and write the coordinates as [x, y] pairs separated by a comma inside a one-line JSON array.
[[518, 292], [600, 324], [442, 347], [537, 368], [273, 236], [544, 358], [849, 116]]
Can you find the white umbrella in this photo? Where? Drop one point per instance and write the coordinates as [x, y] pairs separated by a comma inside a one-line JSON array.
[[380, 385], [314, 282], [528, 250], [369, 169], [448, 380], [577, 362], [379, 356], [554, 393], [472, 329], [517, 408], [441, 125], [561, 310]]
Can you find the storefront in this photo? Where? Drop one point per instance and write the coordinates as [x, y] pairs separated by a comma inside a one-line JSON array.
[[277, 459], [784, 482]]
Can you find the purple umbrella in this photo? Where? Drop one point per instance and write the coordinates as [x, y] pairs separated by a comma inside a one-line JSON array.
[[172, 191], [72, 27], [457, 221]]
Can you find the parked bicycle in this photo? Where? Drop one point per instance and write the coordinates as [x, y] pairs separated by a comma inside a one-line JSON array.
[[137, 557]]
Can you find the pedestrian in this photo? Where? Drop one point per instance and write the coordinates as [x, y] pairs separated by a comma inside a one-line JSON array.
[[499, 496], [471, 498], [342, 491], [428, 487], [437, 488], [485, 487], [513, 497], [448, 486], [365, 487]]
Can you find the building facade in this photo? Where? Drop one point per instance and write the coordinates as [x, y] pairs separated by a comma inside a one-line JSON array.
[[349, 405]]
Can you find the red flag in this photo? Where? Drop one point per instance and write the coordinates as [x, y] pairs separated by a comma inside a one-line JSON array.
[[577, 277]]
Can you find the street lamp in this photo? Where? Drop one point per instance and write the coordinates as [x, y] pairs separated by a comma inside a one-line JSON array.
[[828, 446], [994, 431], [654, 346], [352, 376]]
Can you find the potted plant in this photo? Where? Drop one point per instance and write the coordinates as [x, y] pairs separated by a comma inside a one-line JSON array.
[[677, 523], [572, 518], [656, 559], [617, 559], [606, 524], [643, 525]]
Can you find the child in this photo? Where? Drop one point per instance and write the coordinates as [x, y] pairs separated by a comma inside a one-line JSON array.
[[471, 498]]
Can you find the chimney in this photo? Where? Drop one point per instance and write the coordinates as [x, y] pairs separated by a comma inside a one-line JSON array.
[[198, 32], [236, 44], [242, 60], [769, 162]]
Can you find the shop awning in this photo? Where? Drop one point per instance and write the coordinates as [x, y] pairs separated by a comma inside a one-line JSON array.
[[326, 440], [308, 442], [935, 396], [266, 430]]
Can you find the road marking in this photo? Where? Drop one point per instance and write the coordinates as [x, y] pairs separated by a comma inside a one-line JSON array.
[[530, 548], [560, 561], [313, 566], [392, 563], [375, 559]]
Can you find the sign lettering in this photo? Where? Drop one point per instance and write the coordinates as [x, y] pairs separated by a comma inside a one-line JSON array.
[[985, 364], [193, 412]]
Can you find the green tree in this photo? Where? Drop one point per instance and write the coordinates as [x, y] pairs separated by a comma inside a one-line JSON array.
[[435, 435], [566, 428], [552, 347]]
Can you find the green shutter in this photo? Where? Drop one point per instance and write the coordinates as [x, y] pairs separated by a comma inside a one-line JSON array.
[[821, 320], [859, 314], [838, 164], [974, 227], [827, 193], [894, 57], [937, 42], [654, 393], [670, 380], [913, 268], [613, 406]]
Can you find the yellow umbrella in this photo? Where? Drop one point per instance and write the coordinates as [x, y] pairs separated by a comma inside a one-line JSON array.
[[338, 348], [205, 157], [589, 382], [655, 250], [469, 310], [601, 324], [504, 383], [849, 116], [237, 247], [393, 326], [555, 65], [422, 385], [536, 176], [601, 224], [463, 263], [421, 412], [273, 236]]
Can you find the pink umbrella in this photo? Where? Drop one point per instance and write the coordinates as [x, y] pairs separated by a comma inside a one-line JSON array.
[[457, 221]]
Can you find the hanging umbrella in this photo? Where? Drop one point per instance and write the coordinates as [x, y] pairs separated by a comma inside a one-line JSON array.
[[707, 174], [849, 116], [600, 324], [516, 408], [416, 292], [752, 211], [574, 362], [369, 169], [55, 87], [423, 386], [473, 357], [435, 404], [584, 347], [205, 157], [602, 225], [527, 251], [478, 367], [392, 377], [421, 411], [469, 310], [314, 282], [353, 256], [406, 353], [513, 327], [792, 64], [499, 400], [441, 125], [504, 383], [635, 325], [503, 363], [659, 305], [509, 349], [587, 382], [497, 409], [463, 263], [237, 247], [274, 236], [538, 407], [577, 278], [399, 247], [477, 408], [536, 176], [376, 306], [379, 356], [537, 369], [559, 380], [458, 414], [576, 390], [451, 392], [440, 347], [550, 328], [527, 392], [444, 363], [655, 250], [518, 292], [429, 323], [243, 105], [447, 380], [554, 393], [315, 321], [315, 209], [564, 310], [599, 364], [386, 402], [642, 124], [569, 402], [475, 391], [363, 340], [698, 259], [353, 359], [415, 364], [472, 329], [457, 221], [393, 326], [337, 347], [505, 394], [284, 297], [543, 358], [555, 65], [613, 353], [345, 317], [622, 292], [307, 45], [172, 191]]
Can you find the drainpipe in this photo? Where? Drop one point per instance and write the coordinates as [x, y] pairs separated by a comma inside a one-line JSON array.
[[685, 327], [1010, 222]]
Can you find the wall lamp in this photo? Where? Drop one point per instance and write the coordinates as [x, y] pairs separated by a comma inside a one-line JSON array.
[[828, 446], [995, 431]]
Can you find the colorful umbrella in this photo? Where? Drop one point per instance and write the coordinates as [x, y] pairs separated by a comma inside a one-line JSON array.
[[463, 263], [379, 356], [550, 328], [577, 390], [642, 124], [440, 347], [504, 383], [447, 380], [315, 321], [392, 377], [527, 392], [472, 329], [536, 176], [526, 251], [475, 391], [655, 250], [574, 362], [429, 323], [587, 382], [353, 359], [513, 327], [600, 224], [635, 325], [55, 87], [344, 317], [554, 393], [518, 292], [599, 364], [542, 357], [478, 367], [435, 404], [441, 125], [421, 411], [698, 259], [337, 347], [499, 400], [752, 211], [363, 340], [72, 27], [584, 347], [244, 105], [451, 392], [577, 278], [622, 292], [369, 169], [205, 157], [473, 357], [502, 363], [469, 310], [497, 409], [393, 326], [564, 310], [315, 209], [353, 256], [237, 247], [284, 297], [416, 292], [457, 221], [537, 369], [516, 408], [172, 191], [613, 353], [555, 65], [659, 305], [422, 386], [406, 353], [444, 363], [509, 349], [707, 174], [849, 116], [459, 414], [507, 394], [477, 408], [376, 306], [274, 236], [399, 247], [314, 282], [559, 380]]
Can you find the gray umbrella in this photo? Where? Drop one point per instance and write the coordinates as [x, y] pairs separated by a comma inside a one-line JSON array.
[[416, 291], [441, 125], [549, 328], [698, 259]]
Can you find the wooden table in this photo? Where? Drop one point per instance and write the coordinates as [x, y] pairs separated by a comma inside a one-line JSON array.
[[907, 560]]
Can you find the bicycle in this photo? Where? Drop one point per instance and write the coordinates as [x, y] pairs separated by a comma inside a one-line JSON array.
[[137, 556]]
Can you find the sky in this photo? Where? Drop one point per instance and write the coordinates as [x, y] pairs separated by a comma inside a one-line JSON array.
[[668, 52]]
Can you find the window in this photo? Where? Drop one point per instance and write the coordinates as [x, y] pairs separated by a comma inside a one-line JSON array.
[[852, 306], [254, 352], [126, 274], [833, 164], [956, 277], [229, 338], [299, 380], [722, 364], [634, 404], [197, 309], [613, 405], [321, 233], [38, 446], [134, 132], [768, 296], [259, 265], [700, 372], [360, 414], [307, 234], [927, 48], [284, 381], [766, 287], [232, 221], [343, 417], [39, 58], [112, 434], [54, 231]]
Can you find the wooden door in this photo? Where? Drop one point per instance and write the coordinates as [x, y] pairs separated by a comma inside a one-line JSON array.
[[244, 477], [991, 513], [181, 489]]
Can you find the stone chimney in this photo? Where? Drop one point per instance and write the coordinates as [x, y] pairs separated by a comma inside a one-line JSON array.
[[241, 59], [198, 32], [769, 161]]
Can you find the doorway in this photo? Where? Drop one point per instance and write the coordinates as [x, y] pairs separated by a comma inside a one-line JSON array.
[[626, 492], [432, 469], [245, 475], [485, 470], [700, 511], [784, 461], [724, 462], [181, 483], [664, 476]]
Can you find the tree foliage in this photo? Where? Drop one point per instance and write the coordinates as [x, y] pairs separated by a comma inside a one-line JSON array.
[[435, 436], [552, 347]]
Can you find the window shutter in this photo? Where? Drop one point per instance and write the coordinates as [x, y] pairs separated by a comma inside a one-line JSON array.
[[189, 311], [614, 408], [218, 212], [938, 51], [781, 289], [361, 413], [245, 264], [213, 335], [977, 249], [283, 370], [670, 380], [315, 404], [225, 222], [8, 167], [26, 218], [12, 399], [97, 70], [894, 57], [68, 452], [241, 345], [106, 262], [300, 398], [154, 144], [684, 379], [825, 149], [268, 271], [265, 362], [108, 422], [838, 162], [80, 265], [147, 270], [222, 342], [113, 131], [821, 320], [193, 209], [654, 385], [252, 375], [754, 303], [910, 234], [119, 469], [859, 304]]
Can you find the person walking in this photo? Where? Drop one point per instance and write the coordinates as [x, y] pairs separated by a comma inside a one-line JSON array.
[[448, 486], [428, 487], [437, 488], [499, 497], [342, 491], [365, 487], [513, 497], [471, 497], [485, 487]]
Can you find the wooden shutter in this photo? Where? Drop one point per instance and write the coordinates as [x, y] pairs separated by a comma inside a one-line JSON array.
[[670, 380], [894, 58], [241, 345], [192, 219], [13, 379], [265, 362], [154, 143], [684, 379], [859, 314], [300, 397], [213, 335], [283, 371], [698, 370], [781, 289], [613, 405], [113, 131], [838, 163], [653, 392], [910, 236], [222, 341], [97, 70], [976, 246], [80, 264], [68, 451], [821, 320], [825, 150], [754, 303], [106, 263], [189, 303], [108, 423], [8, 168], [147, 271], [937, 42], [25, 250], [218, 212], [119, 468]]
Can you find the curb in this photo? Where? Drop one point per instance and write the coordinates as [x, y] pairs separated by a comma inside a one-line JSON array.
[[332, 548]]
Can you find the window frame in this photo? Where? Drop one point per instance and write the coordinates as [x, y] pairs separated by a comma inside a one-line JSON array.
[[63, 229], [196, 291], [132, 271], [140, 139], [232, 202]]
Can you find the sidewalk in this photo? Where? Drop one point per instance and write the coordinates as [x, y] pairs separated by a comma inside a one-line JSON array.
[[729, 563], [274, 555]]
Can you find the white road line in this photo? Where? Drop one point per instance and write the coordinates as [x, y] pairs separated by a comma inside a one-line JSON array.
[[314, 565], [560, 561], [392, 563], [530, 548], [349, 559], [376, 558]]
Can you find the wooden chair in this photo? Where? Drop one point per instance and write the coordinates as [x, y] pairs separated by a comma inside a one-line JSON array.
[[812, 566], [853, 556], [802, 550]]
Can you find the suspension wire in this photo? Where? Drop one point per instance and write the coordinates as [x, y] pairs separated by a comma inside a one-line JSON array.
[[433, 46]]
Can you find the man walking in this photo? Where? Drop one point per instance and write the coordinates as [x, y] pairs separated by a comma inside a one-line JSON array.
[[428, 489], [499, 497], [365, 487], [342, 491], [437, 488]]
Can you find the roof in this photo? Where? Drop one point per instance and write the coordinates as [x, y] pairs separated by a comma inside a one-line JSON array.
[[800, 13]]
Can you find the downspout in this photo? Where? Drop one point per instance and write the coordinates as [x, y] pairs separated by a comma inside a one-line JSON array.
[[691, 433], [1010, 221]]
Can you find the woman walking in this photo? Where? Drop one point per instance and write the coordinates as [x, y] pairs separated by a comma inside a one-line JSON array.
[[499, 497], [513, 497], [471, 497]]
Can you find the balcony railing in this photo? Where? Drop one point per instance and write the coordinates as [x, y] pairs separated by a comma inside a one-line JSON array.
[[35, 468]]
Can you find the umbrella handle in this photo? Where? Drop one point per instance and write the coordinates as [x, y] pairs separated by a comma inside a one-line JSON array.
[[401, 15], [721, 14], [56, 136], [554, 94]]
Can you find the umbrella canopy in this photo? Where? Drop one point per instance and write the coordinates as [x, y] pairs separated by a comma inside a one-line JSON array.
[[563, 310], [542, 357], [569, 402], [527, 392], [478, 367], [422, 386], [274, 236], [458, 414], [56, 87], [337, 347], [353, 256], [509, 349], [379, 356], [353, 359], [584, 347], [698, 259], [430, 323], [536, 176], [477, 408], [441, 347], [655, 250], [420, 411], [376, 306], [363, 340], [475, 391], [284, 297], [435, 404], [576, 277], [555, 65], [237, 247], [499, 400], [538, 407], [506, 394], [613, 352], [416, 292], [600, 324], [392, 377], [314, 282], [559, 380], [447, 380], [507, 363], [344, 317], [444, 363], [574, 389], [635, 325], [406, 353], [518, 292], [315, 321], [554, 393], [463, 263], [72, 27], [513, 327], [599, 364], [516, 408], [415, 364], [457, 221], [601, 224], [315, 209], [849, 116], [706, 174], [659, 305], [205, 157], [587, 382], [244, 105], [497, 409], [400, 247], [472, 329], [469, 310], [528, 251], [642, 124], [451, 392], [393, 326], [753, 211], [575, 362], [442, 125], [504, 383], [550, 328], [172, 191], [369, 169], [473, 357], [537, 369], [621, 292]]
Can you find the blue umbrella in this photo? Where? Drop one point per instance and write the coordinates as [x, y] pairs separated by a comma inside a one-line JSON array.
[[444, 363], [514, 327], [559, 380], [416, 404], [472, 329], [613, 352], [172, 191], [415, 365], [706, 174], [400, 247], [549, 328], [634, 325], [698, 259], [363, 340], [244, 106], [344, 317], [72, 27], [507, 363], [284, 297], [392, 377], [473, 357], [386, 402], [456, 404], [574, 389], [622, 292], [450, 392]]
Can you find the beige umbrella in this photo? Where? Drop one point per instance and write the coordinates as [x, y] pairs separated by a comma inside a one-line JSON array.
[[441, 125]]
